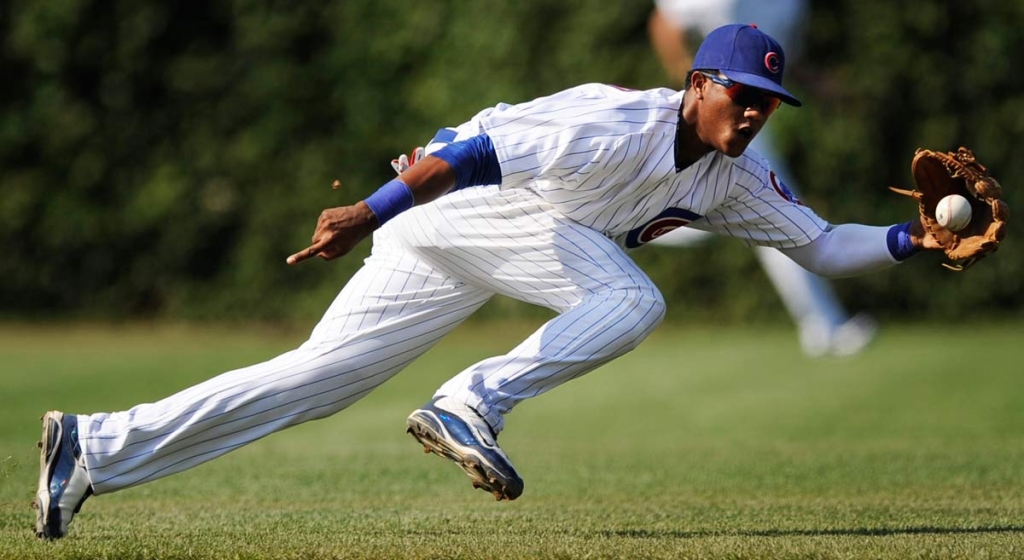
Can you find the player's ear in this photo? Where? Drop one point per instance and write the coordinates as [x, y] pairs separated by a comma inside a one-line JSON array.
[[697, 81]]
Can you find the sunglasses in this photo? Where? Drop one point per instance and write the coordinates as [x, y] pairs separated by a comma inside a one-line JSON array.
[[746, 96]]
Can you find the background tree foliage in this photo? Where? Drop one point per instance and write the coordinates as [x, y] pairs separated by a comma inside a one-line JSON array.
[[162, 159]]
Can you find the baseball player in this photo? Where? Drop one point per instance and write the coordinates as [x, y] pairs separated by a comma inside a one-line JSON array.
[[539, 201], [824, 327]]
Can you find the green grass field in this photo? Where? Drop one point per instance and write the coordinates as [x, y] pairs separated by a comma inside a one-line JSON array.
[[704, 443]]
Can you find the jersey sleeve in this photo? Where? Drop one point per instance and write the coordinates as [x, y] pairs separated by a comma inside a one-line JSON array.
[[763, 211]]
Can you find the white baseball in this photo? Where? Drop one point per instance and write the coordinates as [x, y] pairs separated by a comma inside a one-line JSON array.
[[953, 212]]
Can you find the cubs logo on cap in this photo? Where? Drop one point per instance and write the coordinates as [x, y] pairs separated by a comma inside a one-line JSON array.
[[745, 54]]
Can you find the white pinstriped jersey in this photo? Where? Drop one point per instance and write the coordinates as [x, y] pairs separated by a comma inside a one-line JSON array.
[[604, 157]]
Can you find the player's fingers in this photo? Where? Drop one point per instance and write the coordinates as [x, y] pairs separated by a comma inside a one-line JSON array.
[[329, 254], [306, 253], [334, 250]]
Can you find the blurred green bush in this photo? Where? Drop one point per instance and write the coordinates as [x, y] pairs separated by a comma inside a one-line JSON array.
[[162, 159]]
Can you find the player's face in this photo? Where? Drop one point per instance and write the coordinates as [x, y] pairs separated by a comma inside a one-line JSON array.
[[732, 113]]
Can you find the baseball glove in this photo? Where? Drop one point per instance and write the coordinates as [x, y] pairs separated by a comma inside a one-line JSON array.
[[937, 174]]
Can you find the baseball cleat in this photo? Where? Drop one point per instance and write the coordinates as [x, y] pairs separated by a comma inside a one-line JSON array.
[[63, 482], [854, 335], [819, 339], [456, 432]]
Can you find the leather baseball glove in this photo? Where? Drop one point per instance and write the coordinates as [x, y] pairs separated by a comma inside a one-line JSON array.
[[937, 174]]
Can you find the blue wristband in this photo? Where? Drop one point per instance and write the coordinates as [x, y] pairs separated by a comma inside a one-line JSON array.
[[390, 200], [900, 245]]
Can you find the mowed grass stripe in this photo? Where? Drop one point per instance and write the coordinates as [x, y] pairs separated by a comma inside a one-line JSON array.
[[703, 443]]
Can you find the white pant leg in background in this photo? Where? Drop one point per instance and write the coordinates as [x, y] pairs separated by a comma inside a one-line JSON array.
[[391, 311], [808, 298], [682, 237], [515, 244]]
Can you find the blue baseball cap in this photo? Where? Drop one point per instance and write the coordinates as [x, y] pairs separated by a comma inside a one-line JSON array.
[[747, 55]]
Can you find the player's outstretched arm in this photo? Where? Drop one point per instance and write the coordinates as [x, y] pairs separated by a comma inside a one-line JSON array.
[[340, 229], [854, 249]]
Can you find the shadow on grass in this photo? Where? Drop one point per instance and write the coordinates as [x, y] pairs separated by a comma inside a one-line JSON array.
[[860, 532]]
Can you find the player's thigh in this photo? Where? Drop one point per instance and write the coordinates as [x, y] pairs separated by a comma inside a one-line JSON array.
[[563, 265], [515, 244], [396, 296]]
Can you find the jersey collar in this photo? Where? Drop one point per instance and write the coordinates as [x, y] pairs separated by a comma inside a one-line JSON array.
[[677, 152]]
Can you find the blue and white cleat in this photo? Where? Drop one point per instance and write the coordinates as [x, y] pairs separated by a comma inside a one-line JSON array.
[[455, 431], [63, 482]]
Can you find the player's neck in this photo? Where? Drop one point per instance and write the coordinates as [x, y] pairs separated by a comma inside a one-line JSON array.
[[689, 147]]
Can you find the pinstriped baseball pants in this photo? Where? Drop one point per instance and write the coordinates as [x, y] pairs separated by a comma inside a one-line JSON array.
[[429, 270]]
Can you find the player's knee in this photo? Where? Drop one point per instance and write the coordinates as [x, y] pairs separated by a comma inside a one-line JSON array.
[[651, 308], [641, 309]]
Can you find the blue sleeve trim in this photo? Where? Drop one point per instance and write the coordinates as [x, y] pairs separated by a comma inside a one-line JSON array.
[[444, 136], [390, 200], [474, 160], [900, 245]]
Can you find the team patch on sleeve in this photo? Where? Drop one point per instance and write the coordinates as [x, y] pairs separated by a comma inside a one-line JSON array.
[[782, 189], [661, 224]]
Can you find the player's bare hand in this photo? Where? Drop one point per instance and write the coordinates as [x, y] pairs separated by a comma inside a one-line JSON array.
[[337, 231], [921, 238]]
